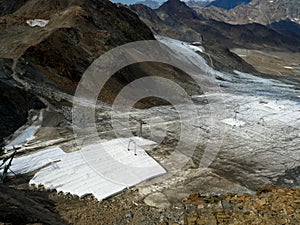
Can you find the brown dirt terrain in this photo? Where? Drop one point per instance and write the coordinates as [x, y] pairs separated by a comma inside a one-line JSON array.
[[277, 63], [22, 205]]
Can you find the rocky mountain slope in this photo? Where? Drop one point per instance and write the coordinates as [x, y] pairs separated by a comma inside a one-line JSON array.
[[15, 102], [227, 4], [191, 25], [7, 7], [48, 61], [45, 59], [257, 11], [286, 27], [159, 26]]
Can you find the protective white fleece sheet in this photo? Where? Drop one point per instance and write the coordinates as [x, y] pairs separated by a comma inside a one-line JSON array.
[[99, 169]]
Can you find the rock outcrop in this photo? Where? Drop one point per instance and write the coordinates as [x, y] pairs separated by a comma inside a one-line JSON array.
[[270, 205]]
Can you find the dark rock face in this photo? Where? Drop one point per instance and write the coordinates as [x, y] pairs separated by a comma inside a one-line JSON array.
[[27, 207], [228, 4], [161, 27], [14, 102], [8, 6], [177, 9], [286, 27], [222, 59], [253, 36]]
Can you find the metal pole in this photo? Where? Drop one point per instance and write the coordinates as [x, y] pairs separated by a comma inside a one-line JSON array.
[[141, 127]]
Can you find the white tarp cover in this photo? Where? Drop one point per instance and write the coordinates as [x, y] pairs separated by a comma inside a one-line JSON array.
[[79, 172]]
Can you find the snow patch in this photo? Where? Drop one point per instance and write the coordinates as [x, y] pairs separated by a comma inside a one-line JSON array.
[[233, 122], [188, 55], [26, 136], [197, 48], [37, 22]]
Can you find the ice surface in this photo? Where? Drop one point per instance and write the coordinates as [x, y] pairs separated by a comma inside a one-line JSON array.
[[233, 122], [185, 51], [197, 48], [27, 135]]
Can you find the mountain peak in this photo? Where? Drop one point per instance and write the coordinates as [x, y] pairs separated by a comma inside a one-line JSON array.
[[178, 9], [175, 3]]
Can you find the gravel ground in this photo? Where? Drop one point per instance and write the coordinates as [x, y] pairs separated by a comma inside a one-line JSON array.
[[270, 205]]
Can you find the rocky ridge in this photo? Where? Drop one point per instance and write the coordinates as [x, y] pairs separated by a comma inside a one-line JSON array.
[[257, 11], [197, 27]]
